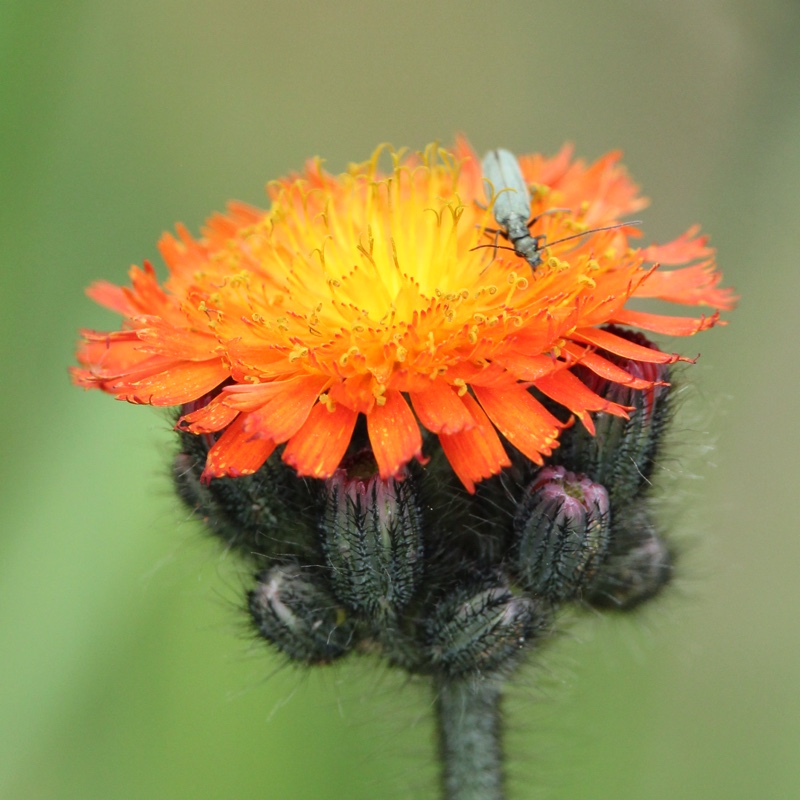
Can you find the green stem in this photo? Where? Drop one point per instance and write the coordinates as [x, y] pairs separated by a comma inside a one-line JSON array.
[[469, 728]]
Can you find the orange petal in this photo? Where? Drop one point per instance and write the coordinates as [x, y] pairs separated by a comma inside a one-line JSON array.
[[235, 453], [110, 354], [605, 369], [179, 383], [281, 417], [659, 323], [113, 376], [440, 409], [210, 418], [475, 453], [687, 247], [522, 419], [568, 390], [253, 396], [355, 392], [548, 171], [145, 295], [694, 286], [318, 447], [393, 433], [470, 174], [163, 337], [111, 296], [105, 360], [623, 347], [530, 368]]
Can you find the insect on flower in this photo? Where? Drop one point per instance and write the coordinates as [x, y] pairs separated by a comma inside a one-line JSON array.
[[512, 204], [512, 208]]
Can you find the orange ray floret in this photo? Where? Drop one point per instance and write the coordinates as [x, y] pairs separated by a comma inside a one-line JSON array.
[[383, 293]]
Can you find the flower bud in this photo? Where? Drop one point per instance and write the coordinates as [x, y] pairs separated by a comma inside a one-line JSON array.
[[372, 540], [622, 453], [291, 609], [268, 514], [562, 526], [639, 567], [482, 628]]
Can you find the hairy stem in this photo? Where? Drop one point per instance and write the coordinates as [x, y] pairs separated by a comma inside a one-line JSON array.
[[469, 728]]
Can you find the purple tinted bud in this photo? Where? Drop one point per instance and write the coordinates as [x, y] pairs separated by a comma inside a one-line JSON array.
[[372, 540], [562, 525]]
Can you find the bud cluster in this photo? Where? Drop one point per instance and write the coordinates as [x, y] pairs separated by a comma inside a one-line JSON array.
[[436, 580]]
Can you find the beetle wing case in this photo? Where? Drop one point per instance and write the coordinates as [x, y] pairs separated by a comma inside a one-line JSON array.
[[512, 197]]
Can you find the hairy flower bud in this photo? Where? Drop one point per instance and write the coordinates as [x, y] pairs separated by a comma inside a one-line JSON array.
[[639, 567], [562, 526], [622, 453], [268, 514], [372, 540], [482, 628], [292, 609]]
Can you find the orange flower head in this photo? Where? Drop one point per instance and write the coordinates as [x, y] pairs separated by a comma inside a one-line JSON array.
[[389, 294]]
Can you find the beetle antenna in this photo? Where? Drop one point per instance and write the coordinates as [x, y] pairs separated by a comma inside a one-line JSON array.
[[595, 230]]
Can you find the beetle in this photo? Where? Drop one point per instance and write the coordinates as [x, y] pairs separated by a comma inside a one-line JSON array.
[[512, 203], [512, 208]]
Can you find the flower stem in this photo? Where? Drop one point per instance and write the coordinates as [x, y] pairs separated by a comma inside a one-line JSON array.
[[469, 729]]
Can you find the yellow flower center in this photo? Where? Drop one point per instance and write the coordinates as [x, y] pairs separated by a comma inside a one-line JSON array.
[[393, 278]]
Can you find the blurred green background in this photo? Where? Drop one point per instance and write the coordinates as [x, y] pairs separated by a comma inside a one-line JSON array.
[[125, 671]]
